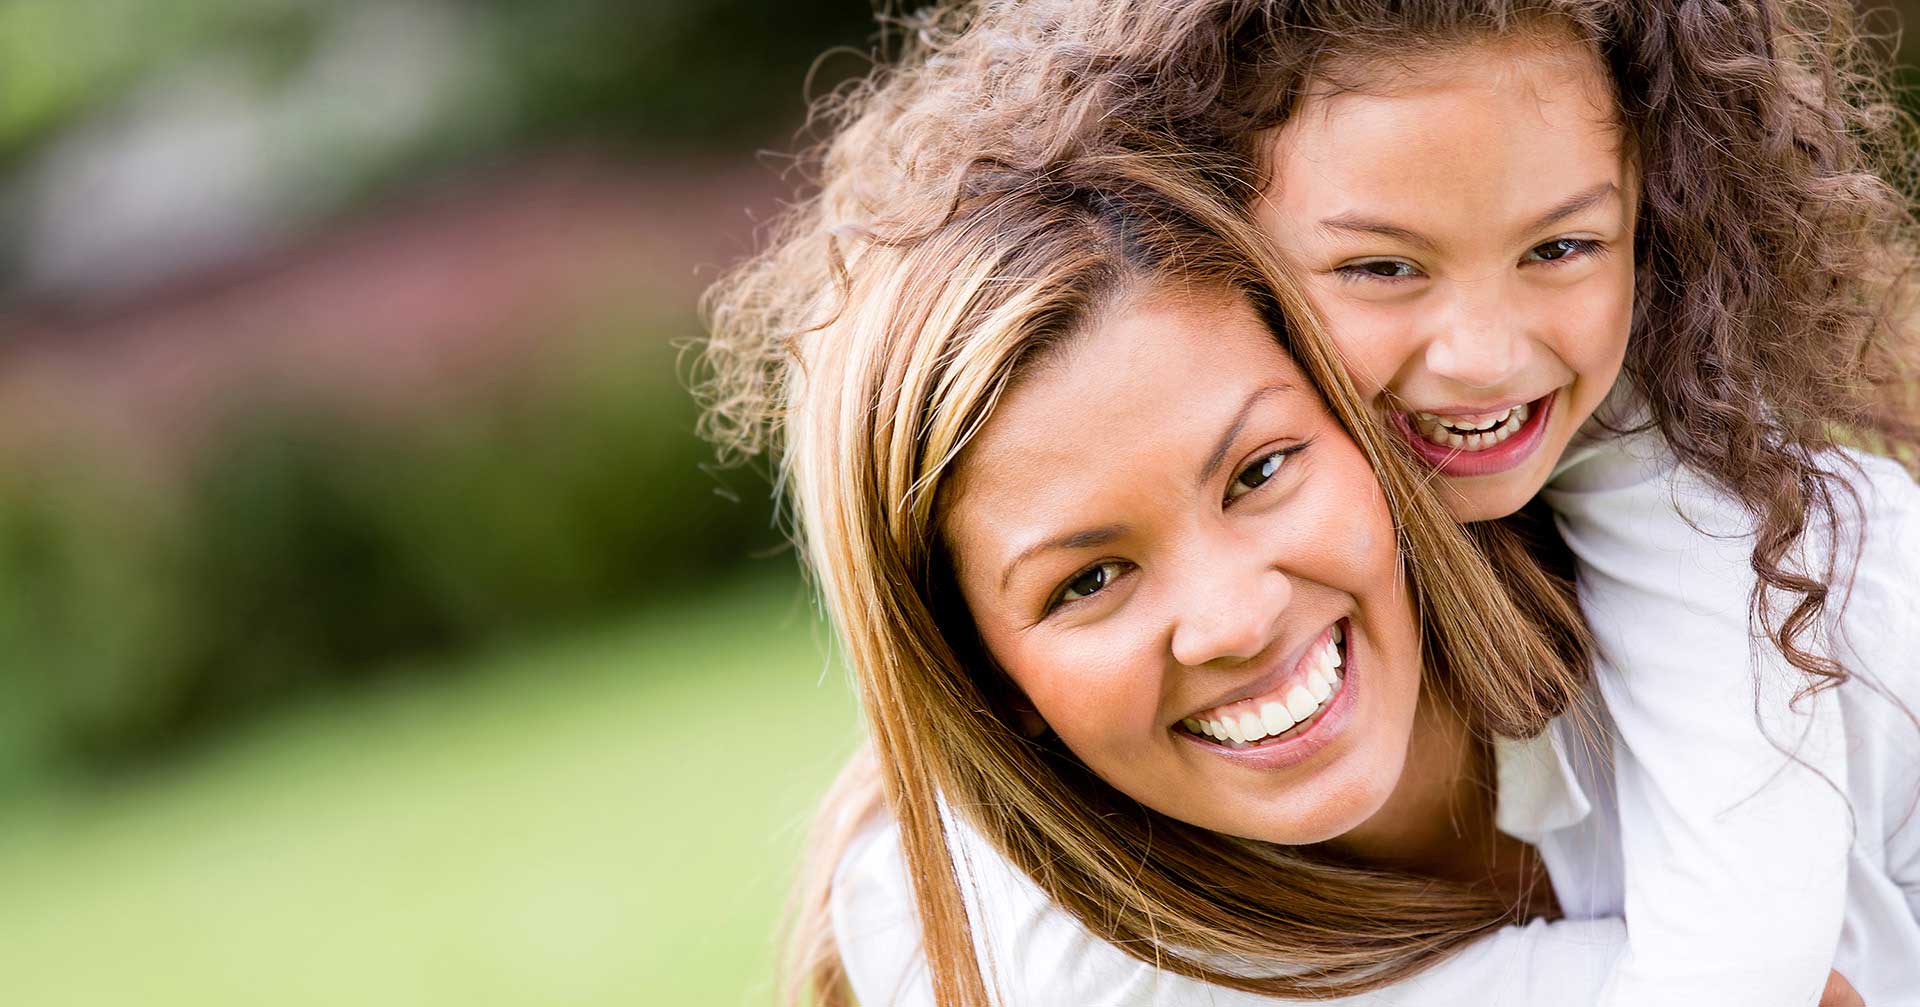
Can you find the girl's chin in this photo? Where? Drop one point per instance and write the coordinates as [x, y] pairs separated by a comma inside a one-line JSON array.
[[1487, 498]]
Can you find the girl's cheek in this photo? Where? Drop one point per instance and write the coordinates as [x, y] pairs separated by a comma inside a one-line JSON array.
[[1369, 337]]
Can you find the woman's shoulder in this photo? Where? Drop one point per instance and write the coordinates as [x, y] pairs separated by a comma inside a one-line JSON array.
[[874, 926], [1030, 949]]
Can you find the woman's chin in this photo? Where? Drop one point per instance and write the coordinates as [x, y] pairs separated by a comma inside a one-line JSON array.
[[1321, 818]]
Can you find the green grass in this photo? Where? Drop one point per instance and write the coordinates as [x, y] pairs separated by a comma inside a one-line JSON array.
[[606, 819]]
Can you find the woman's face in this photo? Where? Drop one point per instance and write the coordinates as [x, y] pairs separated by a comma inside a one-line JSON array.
[[1465, 228], [1190, 572]]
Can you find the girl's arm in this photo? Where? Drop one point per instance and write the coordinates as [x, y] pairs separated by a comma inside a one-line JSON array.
[[1035, 953], [1733, 821]]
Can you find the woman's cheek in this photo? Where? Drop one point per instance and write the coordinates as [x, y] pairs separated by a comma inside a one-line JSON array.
[[1090, 684]]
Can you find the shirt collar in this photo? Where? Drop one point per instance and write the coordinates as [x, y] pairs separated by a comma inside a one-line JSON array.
[[1536, 787], [1622, 409]]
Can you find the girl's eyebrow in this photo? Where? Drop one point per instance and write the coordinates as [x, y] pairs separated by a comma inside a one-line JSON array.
[[1583, 200], [1367, 225]]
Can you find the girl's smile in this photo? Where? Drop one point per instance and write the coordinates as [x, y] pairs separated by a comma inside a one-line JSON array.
[[1461, 442], [1465, 226]]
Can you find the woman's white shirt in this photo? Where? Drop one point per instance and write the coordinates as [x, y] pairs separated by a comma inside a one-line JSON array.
[[1682, 815]]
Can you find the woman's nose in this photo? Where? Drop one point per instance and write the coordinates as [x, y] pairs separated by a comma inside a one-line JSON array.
[[1480, 342], [1229, 614]]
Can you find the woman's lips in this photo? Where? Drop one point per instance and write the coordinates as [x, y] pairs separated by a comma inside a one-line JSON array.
[[1516, 448], [1302, 741]]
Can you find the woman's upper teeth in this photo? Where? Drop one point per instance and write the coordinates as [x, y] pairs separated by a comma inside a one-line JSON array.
[[1249, 720]]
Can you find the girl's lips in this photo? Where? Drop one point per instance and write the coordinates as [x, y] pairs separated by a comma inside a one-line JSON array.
[[1499, 458], [1302, 743]]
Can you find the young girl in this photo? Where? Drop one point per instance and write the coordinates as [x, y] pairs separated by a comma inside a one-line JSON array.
[[1229, 701], [1499, 209]]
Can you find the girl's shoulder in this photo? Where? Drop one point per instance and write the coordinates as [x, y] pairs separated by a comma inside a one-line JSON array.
[[1876, 544]]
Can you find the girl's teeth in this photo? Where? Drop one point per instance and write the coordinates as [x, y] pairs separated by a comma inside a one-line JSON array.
[[1472, 432]]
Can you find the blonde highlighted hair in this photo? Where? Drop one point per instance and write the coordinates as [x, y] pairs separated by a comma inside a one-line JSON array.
[[871, 387]]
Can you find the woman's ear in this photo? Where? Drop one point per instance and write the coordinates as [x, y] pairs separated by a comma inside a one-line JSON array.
[[1027, 719]]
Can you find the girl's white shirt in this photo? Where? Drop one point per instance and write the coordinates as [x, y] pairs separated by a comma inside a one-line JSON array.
[[1744, 872]]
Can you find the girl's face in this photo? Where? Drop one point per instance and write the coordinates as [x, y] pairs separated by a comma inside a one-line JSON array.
[[1190, 572], [1465, 228]]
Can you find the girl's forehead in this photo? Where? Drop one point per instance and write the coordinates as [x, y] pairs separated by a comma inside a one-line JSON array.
[[1543, 60], [1513, 129]]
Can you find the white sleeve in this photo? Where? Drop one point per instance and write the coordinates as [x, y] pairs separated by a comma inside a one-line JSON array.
[[1034, 953], [1734, 852]]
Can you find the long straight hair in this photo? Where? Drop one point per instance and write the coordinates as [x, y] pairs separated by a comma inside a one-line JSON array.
[[938, 305]]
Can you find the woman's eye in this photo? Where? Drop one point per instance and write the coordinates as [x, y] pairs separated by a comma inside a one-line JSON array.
[[1088, 582], [1256, 475], [1378, 269], [1561, 248]]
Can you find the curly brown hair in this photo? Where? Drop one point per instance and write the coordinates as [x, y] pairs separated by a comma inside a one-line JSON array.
[[1773, 254]]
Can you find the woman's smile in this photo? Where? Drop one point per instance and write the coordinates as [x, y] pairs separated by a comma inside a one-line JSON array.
[[1289, 716]]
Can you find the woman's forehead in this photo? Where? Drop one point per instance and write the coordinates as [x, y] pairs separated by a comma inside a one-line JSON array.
[[1149, 391]]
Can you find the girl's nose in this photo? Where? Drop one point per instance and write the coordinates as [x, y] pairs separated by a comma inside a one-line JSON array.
[[1480, 343], [1230, 615]]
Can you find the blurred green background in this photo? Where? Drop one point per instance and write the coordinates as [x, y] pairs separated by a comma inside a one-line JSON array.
[[373, 628]]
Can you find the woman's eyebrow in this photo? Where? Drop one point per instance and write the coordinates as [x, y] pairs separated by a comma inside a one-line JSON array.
[[1239, 423], [1072, 540]]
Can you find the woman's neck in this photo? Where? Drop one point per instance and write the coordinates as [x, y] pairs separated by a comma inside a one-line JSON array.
[[1439, 820]]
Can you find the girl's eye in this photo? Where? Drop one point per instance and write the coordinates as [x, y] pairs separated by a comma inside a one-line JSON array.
[[1256, 475], [1088, 582], [1561, 248], [1378, 269]]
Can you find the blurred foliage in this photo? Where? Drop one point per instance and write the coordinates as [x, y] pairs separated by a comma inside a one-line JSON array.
[[60, 59], [701, 71], [305, 547], [715, 70]]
